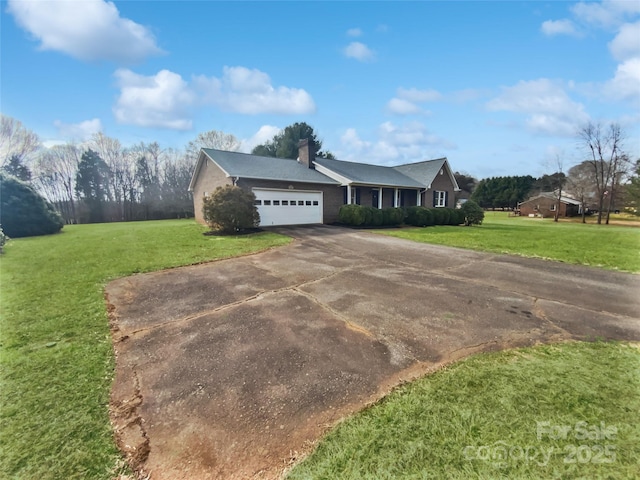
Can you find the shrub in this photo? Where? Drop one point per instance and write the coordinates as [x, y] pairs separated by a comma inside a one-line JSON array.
[[377, 217], [230, 209], [24, 212], [446, 215], [351, 215], [438, 216], [425, 217], [457, 217], [411, 216], [392, 216], [368, 215], [418, 216], [473, 213], [453, 217]]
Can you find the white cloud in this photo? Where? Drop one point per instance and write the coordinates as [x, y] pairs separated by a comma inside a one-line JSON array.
[[263, 135], [249, 91], [551, 111], [86, 30], [359, 51], [400, 106], [415, 95], [394, 144], [161, 100], [559, 27], [625, 85], [606, 14], [407, 100], [78, 131], [354, 32], [626, 43]]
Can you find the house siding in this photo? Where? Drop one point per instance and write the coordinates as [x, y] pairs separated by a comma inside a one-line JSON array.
[[209, 178], [442, 183], [543, 206], [332, 196]]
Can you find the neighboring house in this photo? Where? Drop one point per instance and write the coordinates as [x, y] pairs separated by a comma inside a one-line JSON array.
[[544, 205], [312, 190]]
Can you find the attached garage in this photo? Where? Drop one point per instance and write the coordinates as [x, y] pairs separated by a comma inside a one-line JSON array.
[[288, 207]]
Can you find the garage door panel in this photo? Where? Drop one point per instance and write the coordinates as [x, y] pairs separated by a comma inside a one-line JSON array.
[[288, 207]]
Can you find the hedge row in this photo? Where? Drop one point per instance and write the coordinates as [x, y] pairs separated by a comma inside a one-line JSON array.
[[358, 215]]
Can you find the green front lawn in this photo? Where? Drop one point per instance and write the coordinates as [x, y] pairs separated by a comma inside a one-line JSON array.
[[56, 357], [554, 411], [606, 246]]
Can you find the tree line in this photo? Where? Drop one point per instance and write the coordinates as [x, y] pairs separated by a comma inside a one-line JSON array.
[[100, 180]]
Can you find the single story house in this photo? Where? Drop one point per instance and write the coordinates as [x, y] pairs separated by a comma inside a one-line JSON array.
[[544, 205], [311, 189]]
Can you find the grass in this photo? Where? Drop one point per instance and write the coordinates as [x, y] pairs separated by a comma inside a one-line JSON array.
[[56, 356], [478, 419], [606, 246]]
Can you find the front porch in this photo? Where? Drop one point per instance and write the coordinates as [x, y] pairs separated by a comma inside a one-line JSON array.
[[382, 197]]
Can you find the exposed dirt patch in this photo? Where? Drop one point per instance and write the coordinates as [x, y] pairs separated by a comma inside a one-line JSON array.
[[235, 369]]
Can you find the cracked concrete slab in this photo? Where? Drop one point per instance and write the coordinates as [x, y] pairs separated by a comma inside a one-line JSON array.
[[233, 369]]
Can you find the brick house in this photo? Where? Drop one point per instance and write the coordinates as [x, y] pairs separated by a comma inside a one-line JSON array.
[[312, 189], [544, 205]]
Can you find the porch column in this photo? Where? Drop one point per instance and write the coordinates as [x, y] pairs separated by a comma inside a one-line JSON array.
[[418, 198], [380, 198], [348, 194], [395, 197]]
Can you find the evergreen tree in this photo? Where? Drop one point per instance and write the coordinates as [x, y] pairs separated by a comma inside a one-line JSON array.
[[285, 143], [17, 168], [92, 184], [23, 211]]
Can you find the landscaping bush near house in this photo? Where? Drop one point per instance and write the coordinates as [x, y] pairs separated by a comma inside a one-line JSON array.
[[392, 216], [418, 216], [230, 209], [358, 215], [473, 213], [24, 212], [439, 216], [352, 215], [457, 217]]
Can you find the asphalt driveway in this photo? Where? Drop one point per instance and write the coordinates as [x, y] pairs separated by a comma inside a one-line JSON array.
[[234, 368]]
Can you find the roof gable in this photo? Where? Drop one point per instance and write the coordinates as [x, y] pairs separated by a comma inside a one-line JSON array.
[[427, 170]]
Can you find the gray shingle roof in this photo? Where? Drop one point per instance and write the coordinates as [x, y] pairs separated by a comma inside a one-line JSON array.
[[422, 171], [245, 165], [553, 196], [370, 174]]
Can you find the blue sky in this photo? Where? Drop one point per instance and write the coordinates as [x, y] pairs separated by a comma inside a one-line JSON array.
[[500, 88]]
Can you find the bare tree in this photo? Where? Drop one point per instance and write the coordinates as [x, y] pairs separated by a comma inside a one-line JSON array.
[[16, 140], [620, 166], [211, 139], [604, 147], [581, 185], [561, 179], [55, 172]]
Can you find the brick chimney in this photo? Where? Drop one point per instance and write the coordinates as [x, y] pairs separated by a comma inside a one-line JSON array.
[[306, 152]]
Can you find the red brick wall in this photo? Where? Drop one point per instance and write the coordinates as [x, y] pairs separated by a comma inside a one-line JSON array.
[[209, 178]]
